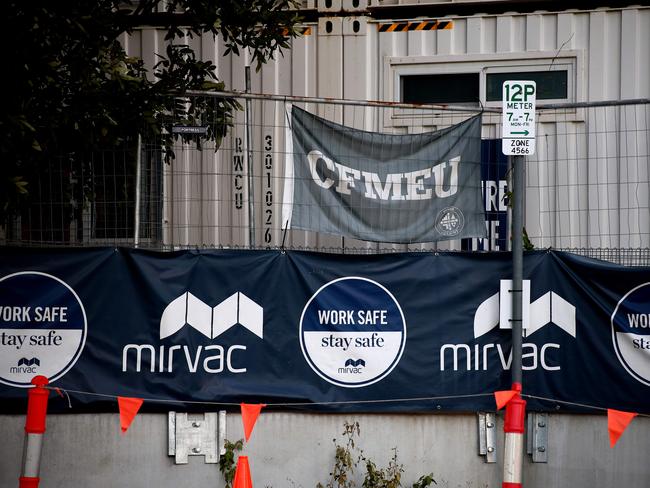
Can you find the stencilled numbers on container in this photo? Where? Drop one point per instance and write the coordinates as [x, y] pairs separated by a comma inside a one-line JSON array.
[[268, 188]]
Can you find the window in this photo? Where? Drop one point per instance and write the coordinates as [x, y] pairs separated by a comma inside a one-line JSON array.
[[551, 85], [476, 79], [443, 88]]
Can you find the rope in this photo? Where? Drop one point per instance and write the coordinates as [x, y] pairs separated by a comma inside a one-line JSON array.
[[575, 404], [279, 404], [346, 402]]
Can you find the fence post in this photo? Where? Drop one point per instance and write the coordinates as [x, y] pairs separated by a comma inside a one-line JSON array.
[[138, 197], [249, 161], [516, 408], [34, 430]]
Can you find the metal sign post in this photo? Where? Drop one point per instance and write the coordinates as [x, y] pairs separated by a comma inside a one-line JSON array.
[[518, 139]]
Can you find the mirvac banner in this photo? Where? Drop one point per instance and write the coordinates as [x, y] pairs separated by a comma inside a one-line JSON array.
[[382, 187], [399, 332]]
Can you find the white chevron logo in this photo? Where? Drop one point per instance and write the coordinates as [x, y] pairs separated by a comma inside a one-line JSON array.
[[549, 308], [187, 309]]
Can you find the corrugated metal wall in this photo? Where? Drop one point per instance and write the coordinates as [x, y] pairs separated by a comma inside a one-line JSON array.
[[587, 186], [296, 450]]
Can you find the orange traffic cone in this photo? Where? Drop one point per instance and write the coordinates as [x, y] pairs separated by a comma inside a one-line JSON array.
[[242, 474]]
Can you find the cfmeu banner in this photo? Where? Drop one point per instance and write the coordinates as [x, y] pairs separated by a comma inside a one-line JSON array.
[[381, 187], [398, 332]]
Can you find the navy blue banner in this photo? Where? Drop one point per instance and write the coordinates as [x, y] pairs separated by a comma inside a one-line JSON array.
[[494, 190], [375, 332]]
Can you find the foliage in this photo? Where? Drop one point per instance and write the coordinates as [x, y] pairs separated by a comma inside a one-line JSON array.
[[527, 243], [227, 464], [72, 88], [424, 481], [347, 458], [388, 477]]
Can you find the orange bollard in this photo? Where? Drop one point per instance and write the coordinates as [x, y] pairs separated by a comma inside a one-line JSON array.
[[514, 443], [34, 429]]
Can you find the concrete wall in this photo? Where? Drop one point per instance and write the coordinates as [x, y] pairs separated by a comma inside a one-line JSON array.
[[296, 450]]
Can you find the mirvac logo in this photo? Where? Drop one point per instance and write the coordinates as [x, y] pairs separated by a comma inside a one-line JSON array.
[[631, 332], [190, 314], [352, 332], [42, 327], [548, 309]]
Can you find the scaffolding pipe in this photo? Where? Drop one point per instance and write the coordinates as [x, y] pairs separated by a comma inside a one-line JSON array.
[[34, 430], [516, 408], [339, 101], [249, 162], [138, 176], [420, 106]]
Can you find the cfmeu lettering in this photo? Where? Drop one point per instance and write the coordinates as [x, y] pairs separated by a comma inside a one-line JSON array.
[[441, 180]]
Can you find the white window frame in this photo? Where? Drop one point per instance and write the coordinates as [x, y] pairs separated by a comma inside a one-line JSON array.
[[395, 67]]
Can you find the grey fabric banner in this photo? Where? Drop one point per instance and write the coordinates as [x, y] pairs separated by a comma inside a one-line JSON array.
[[383, 187]]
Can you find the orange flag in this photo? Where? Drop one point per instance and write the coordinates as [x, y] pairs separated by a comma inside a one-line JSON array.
[[503, 397], [242, 474], [249, 414], [617, 422], [128, 410]]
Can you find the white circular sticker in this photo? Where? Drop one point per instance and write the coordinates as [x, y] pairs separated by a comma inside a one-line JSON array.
[[42, 327], [631, 332], [352, 332], [450, 221]]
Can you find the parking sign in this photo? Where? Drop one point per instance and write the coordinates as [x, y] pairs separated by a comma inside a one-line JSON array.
[[518, 120]]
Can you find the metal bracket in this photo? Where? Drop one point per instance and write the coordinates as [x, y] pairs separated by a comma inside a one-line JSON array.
[[196, 437], [487, 436], [537, 436]]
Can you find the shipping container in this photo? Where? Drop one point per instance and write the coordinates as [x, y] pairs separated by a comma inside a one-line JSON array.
[[587, 184]]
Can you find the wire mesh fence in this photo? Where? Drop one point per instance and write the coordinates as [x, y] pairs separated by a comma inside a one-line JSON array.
[[587, 186]]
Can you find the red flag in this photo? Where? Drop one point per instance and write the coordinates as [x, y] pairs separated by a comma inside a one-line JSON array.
[[128, 410], [617, 422], [503, 397], [249, 414], [242, 474]]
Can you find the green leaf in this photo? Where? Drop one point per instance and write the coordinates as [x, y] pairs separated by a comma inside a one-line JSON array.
[[20, 184]]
